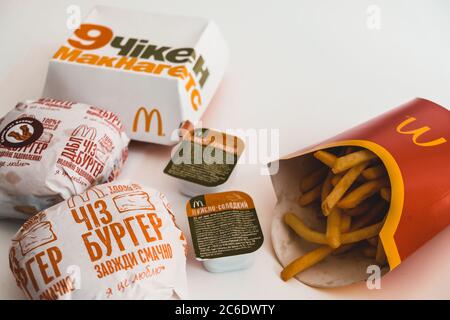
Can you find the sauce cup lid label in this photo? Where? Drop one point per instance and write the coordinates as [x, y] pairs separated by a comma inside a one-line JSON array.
[[223, 224], [205, 157]]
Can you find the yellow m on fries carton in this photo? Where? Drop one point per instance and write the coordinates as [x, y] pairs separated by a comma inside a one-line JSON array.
[[411, 146], [155, 71]]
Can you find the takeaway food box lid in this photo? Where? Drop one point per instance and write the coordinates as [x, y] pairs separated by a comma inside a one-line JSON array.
[[156, 71]]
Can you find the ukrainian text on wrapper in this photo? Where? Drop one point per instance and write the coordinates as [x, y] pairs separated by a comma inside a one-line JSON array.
[[370, 196], [113, 241], [52, 149]]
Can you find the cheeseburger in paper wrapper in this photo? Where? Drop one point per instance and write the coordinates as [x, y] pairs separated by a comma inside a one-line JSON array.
[[410, 144], [52, 149], [113, 241]]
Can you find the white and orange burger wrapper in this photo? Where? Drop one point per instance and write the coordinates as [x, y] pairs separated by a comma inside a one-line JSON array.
[[413, 142], [53, 149], [113, 241]]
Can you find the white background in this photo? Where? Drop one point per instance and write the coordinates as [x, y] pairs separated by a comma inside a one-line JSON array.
[[308, 68]]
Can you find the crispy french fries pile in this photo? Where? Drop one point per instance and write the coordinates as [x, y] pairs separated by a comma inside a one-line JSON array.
[[353, 189]]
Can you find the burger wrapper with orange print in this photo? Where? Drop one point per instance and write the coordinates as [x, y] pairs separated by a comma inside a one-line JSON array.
[[413, 142], [53, 149], [113, 241]]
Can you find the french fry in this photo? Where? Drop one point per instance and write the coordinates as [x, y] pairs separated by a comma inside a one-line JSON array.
[[374, 172], [385, 193], [336, 178], [301, 229], [363, 207], [304, 262], [334, 228], [310, 196], [370, 217], [355, 197], [380, 256], [346, 247], [316, 237], [341, 188], [306, 233], [361, 234], [325, 157], [313, 179], [350, 160], [326, 187], [346, 222]]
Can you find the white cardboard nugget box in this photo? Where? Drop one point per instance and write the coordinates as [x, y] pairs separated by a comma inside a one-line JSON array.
[[155, 71]]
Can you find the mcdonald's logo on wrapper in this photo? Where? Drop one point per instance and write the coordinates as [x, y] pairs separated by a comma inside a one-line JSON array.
[[84, 197], [381, 187], [416, 133], [85, 132], [197, 204], [148, 116]]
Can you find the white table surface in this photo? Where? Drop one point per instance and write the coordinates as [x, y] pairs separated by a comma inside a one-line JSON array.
[[308, 68]]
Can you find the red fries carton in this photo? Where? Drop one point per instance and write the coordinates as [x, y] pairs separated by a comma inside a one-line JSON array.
[[413, 143]]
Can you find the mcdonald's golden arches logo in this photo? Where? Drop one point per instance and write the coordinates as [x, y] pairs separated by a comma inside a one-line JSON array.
[[416, 133], [85, 132], [197, 204], [148, 117]]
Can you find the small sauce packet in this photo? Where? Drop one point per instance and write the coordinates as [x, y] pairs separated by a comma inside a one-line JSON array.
[[204, 161], [225, 230]]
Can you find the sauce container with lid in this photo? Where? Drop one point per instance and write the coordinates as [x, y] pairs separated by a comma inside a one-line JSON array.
[[204, 161], [225, 230]]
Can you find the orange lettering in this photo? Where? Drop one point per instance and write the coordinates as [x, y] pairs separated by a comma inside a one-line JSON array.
[[103, 36]]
